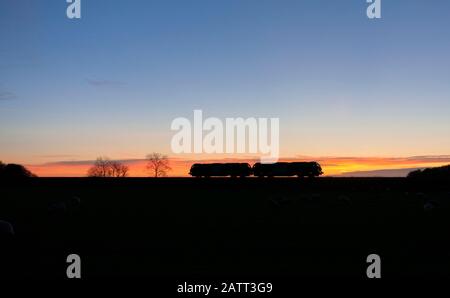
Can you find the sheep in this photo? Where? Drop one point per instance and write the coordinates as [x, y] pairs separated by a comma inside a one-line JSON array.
[[6, 228]]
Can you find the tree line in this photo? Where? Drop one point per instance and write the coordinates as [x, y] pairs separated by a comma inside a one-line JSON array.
[[157, 165]]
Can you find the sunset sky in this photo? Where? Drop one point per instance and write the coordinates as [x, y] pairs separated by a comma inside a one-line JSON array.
[[355, 94]]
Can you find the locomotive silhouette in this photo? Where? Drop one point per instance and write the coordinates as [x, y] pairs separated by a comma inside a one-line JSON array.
[[283, 169]]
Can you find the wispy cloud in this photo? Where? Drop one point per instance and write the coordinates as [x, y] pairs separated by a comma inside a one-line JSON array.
[[6, 95], [88, 162], [104, 83], [59, 156]]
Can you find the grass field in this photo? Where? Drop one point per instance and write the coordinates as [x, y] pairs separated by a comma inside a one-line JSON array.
[[226, 227]]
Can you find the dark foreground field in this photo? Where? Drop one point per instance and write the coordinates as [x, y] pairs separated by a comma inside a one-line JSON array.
[[226, 227]]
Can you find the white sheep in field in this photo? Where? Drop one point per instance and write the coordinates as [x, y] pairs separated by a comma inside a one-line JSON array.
[[6, 228]]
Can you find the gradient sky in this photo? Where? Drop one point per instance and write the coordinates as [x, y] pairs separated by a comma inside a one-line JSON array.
[[111, 83]]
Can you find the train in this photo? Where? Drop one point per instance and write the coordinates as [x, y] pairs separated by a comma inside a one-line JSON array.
[[280, 169]]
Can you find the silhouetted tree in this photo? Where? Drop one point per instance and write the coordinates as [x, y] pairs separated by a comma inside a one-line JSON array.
[[104, 167], [158, 164], [431, 173], [14, 171], [118, 169], [414, 174], [100, 168]]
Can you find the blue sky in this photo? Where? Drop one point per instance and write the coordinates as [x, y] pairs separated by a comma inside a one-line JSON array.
[[112, 82]]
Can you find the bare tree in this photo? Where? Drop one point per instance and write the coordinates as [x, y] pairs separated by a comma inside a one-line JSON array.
[[100, 168], [118, 169], [104, 167], [158, 164]]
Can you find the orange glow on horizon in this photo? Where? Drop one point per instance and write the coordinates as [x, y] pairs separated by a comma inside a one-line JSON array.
[[332, 166]]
